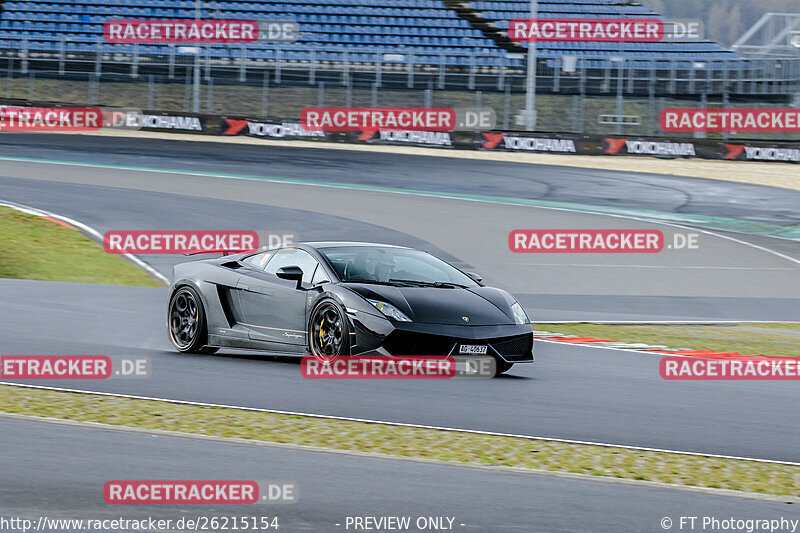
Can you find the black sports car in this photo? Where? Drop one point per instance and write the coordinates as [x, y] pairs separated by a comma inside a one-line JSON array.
[[343, 298]]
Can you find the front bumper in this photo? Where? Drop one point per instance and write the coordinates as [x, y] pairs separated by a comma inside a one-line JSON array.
[[375, 335]]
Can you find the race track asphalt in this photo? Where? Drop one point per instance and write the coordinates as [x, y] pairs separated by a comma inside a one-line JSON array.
[[722, 280], [637, 190], [571, 392], [331, 486]]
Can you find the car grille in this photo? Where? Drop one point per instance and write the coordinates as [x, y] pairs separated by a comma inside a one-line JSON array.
[[410, 343], [514, 348], [513, 345]]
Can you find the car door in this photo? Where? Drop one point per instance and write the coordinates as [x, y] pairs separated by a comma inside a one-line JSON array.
[[275, 309]]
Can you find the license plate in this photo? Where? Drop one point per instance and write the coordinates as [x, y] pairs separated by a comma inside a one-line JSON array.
[[472, 349]]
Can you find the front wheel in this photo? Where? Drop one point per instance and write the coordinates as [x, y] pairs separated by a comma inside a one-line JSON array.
[[328, 332], [187, 322]]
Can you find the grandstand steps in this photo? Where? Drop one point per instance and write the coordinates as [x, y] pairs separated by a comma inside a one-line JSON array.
[[485, 26]]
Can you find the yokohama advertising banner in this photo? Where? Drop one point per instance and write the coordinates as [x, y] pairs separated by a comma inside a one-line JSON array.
[[155, 120], [660, 147], [269, 129], [650, 147], [529, 142], [433, 139], [744, 151]]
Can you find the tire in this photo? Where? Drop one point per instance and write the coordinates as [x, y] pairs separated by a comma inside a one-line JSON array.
[[324, 341], [502, 366], [186, 322]]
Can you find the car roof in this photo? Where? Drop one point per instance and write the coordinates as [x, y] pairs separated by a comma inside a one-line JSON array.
[[350, 244]]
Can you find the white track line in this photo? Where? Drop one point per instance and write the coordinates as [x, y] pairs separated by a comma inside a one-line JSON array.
[[400, 424], [599, 346], [96, 235]]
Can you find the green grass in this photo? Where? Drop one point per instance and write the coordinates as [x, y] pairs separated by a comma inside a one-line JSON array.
[[453, 446], [773, 340], [34, 248]]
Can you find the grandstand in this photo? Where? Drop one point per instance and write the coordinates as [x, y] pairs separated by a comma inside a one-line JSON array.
[[360, 47], [426, 31]]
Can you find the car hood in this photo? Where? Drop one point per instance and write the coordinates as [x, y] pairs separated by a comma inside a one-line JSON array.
[[484, 306]]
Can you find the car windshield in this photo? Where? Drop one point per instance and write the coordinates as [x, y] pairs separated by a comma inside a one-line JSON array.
[[394, 266]]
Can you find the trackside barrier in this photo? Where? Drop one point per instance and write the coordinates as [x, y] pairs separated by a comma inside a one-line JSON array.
[[510, 141]]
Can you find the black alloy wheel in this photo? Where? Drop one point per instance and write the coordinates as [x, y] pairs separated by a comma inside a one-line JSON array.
[[187, 322], [328, 334]]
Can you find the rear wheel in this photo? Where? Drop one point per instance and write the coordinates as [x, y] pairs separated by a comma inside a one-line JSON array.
[[328, 333], [187, 322]]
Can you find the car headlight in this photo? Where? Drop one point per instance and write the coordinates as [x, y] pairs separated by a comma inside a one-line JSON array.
[[519, 314], [389, 310]]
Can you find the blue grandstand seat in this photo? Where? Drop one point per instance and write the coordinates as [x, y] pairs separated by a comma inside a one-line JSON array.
[[424, 27]]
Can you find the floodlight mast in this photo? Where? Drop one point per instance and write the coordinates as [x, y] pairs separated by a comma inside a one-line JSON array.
[[530, 95], [198, 7]]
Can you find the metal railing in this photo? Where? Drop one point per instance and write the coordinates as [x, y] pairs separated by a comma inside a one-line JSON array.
[[577, 98], [410, 69]]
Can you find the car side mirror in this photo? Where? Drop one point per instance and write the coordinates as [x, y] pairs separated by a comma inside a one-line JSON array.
[[476, 277], [294, 273]]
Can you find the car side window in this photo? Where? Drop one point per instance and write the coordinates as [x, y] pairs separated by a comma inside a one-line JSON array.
[[258, 261], [320, 276], [294, 257]]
